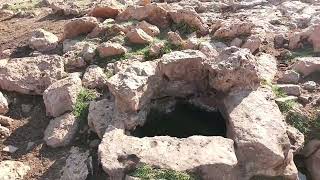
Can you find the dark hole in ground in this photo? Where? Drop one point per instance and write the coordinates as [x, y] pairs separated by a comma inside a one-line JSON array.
[[184, 121]]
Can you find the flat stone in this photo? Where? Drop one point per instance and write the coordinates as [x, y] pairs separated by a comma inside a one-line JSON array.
[[290, 77], [290, 89], [211, 157], [306, 65]]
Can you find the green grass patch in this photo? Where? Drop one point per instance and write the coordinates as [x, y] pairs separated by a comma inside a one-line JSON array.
[[278, 92], [286, 106], [299, 121], [304, 52], [81, 107], [146, 172]]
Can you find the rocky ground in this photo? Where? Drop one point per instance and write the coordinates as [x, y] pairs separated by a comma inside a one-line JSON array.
[[78, 77]]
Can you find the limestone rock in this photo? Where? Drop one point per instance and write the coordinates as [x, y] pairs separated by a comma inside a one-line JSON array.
[[310, 85], [100, 115], [79, 26], [185, 65], [111, 49], [106, 9], [61, 130], [211, 157], [43, 41], [234, 67], [61, 96], [306, 65], [134, 86], [4, 105], [175, 38], [290, 76], [13, 170], [30, 75], [94, 77], [76, 167], [290, 89], [259, 131], [190, 17], [154, 13], [138, 36], [267, 66], [148, 28], [234, 28]]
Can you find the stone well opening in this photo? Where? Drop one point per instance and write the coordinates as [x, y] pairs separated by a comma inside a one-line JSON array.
[[182, 121]]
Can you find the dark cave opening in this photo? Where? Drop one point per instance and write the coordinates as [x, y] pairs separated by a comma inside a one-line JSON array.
[[184, 121]]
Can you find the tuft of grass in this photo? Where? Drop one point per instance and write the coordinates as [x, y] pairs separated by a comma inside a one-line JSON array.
[[108, 73], [146, 172], [279, 93], [286, 106], [183, 28], [299, 121], [167, 48], [81, 107]]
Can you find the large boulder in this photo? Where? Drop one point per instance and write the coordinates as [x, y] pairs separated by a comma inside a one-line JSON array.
[[13, 170], [234, 68], [77, 164], [134, 86], [258, 129], [108, 49], [30, 75], [61, 130], [4, 105], [43, 41], [306, 65], [61, 96], [210, 157], [94, 77], [78, 26]]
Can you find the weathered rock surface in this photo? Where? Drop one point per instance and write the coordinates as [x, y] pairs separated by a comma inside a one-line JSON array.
[[148, 28], [211, 157], [290, 89], [290, 77], [134, 86], [94, 77], [106, 9], [30, 75], [79, 26], [111, 49], [234, 28], [234, 67], [313, 165], [61, 130], [138, 36], [77, 164], [61, 96], [259, 131], [43, 41], [101, 115], [13, 170], [4, 105], [306, 65]]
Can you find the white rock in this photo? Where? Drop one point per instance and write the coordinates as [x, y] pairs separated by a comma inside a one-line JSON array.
[[310, 85], [4, 105], [13, 170], [61, 96], [61, 130], [43, 41], [30, 75], [10, 149], [76, 167]]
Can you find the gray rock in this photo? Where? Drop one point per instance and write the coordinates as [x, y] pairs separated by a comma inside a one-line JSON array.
[[290, 89], [76, 167], [10, 149], [61, 130], [43, 41], [310, 85], [290, 77]]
